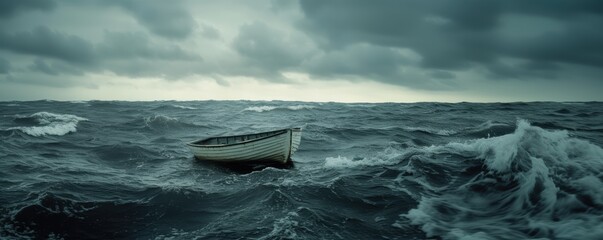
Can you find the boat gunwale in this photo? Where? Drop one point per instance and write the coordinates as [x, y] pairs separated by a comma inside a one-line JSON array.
[[277, 133]]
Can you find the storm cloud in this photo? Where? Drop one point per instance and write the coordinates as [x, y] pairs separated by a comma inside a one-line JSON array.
[[465, 34], [425, 45], [165, 18], [128, 45], [10, 8], [4, 66], [268, 48], [41, 41], [125, 53]]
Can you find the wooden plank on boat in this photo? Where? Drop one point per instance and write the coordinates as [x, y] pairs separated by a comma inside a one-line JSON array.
[[275, 146]]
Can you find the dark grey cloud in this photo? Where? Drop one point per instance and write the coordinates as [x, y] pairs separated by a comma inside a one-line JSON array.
[[366, 61], [268, 48], [54, 81], [124, 53], [582, 43], [442, 74], [40, 65], [421, 44], [357, 60], [165, 18], [167, 70], [4, 66], [459, 35], [54, 68], [10, 8], [43, 41], [127, 45], [559, 9], [135, 54]]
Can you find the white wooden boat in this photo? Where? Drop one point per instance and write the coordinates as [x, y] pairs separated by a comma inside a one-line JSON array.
[[275, 146]]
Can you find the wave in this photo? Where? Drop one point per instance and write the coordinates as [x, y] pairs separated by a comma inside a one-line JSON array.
[[183, 107], [46, 123], [164, 122], [47, 217], [159, 119], [300, 107], [389, 156], [125, 155], [260, 108], [362, 105], [441, 132], [588, 114], [532, 183], [172, 106], [488, 129], [284, 228], [563, 111], [270, 108]]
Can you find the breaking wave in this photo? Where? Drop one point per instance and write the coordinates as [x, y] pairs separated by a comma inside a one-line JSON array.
[[270, 108], [389, 156], [45, 123], [532, 183], [260, 109]]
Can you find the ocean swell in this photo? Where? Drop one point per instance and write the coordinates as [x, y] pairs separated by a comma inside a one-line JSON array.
[[380, 171]]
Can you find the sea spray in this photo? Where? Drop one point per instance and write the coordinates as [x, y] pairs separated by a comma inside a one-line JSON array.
[[49, 124], [530, 179]]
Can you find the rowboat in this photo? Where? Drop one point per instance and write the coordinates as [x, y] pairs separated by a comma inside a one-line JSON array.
[[272, 146]]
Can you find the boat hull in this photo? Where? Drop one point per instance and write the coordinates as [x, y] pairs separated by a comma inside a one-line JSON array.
[[277, 148]]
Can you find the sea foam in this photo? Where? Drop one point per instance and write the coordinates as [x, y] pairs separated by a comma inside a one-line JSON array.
[[162, 122], [389, 156], [183, 107], [49, 124], [270, 108], [260, 108], [534, 183]]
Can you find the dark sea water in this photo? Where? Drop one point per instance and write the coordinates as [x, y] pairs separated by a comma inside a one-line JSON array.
[[121, 170]]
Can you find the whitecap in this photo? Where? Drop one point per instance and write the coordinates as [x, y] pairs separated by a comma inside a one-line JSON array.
[[533, 184], [300, 107], [284, 228], [260, 108], [160, 121], [183, 107], [51, 124], [389, 156], [485, 126], [270, 108], [362, 105]]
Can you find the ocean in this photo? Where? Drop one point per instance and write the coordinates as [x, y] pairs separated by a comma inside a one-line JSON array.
[[121, 170]]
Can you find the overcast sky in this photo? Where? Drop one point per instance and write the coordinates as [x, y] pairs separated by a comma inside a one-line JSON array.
[[317, 50]]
